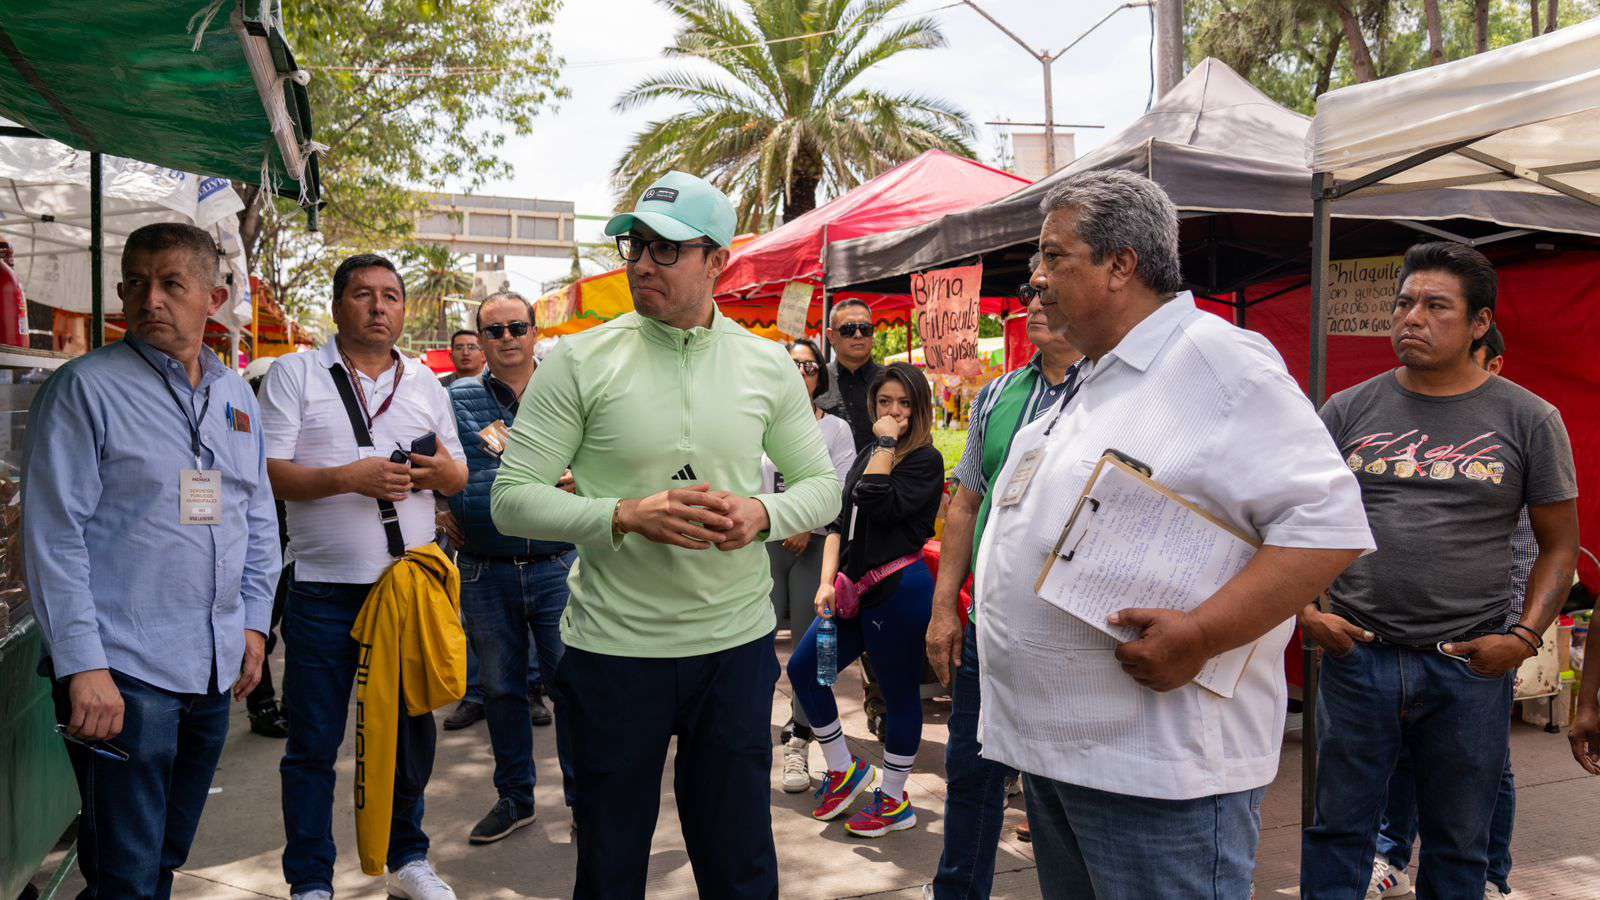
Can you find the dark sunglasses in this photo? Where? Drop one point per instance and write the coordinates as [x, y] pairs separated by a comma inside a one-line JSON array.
[[496, 332], [664, 252], [104, 749], [807, 368], [1026, 293], [855, 329]]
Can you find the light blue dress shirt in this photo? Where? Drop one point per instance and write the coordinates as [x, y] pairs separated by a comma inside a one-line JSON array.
[[117, 582]]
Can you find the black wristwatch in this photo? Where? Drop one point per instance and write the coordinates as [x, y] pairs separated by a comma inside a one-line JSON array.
[[886, 443]]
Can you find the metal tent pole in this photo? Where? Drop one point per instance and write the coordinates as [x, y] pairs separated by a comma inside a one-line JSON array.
[[1318, 384], [97, 300], [1239, 307], [827, 320]]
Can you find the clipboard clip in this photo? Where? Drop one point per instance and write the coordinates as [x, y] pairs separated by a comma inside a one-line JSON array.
[[1094, 507], [1130, 462]]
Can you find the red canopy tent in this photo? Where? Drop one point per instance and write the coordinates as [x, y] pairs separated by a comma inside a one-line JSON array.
[[920, 190]]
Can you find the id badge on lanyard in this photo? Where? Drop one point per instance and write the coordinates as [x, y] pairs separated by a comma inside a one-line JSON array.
[[1021, 477], [200, 497]]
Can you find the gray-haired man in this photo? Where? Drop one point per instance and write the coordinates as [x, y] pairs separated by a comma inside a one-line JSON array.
[[1141, 783]]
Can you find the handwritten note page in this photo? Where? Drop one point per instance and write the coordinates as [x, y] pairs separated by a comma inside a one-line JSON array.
[[1136, 546]]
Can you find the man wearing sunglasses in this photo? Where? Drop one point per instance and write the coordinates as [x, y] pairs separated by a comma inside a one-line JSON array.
[[662, 415], [509, 585], [852, 371], [976, 796]]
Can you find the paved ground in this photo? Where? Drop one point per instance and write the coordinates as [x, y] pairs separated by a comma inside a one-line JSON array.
[[237, 853]]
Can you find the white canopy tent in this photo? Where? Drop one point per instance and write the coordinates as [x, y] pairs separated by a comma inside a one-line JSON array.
[[45, 214], [1523, 118]]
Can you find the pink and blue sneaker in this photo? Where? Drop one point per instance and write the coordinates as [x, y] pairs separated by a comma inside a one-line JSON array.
[[882, 815], [840, 789]]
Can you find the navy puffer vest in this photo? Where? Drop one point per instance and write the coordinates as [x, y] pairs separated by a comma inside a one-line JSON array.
[[476, 409]]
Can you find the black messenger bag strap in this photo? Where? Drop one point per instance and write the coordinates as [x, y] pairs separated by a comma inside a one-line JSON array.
[[386, 511]]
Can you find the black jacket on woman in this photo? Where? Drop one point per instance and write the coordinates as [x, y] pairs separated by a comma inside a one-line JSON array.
[[896, 513]]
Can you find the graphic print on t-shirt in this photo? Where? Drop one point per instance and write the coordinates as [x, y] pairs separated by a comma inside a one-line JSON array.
[[1415, 454]]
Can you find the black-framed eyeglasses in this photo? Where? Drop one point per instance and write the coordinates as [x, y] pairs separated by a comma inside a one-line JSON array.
[[664, 252], [807, 367], [855, 329], [496, 332]]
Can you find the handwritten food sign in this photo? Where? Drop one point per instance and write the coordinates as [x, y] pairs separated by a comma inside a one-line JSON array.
[[1361, 295], [945, 311]]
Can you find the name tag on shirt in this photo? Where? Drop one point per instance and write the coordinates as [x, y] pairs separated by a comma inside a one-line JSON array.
[[200, 498], [1021, 477], [495, 437]]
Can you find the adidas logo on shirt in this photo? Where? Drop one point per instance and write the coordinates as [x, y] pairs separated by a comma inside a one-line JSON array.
[[686, 474]]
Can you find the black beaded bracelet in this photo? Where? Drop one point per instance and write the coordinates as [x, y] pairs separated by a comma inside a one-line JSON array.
[[1536, 636]]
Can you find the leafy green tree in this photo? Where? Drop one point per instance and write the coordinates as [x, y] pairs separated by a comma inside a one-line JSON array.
[[782, 118], [401, 92], [1296, 49]]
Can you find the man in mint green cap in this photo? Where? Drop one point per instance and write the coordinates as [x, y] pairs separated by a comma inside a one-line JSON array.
[[663, 415]]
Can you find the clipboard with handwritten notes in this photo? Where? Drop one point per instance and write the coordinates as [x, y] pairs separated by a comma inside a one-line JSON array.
[[1130, 542]]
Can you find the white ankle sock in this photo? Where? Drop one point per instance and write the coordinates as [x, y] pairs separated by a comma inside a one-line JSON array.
[[896, 769], [834, 749]]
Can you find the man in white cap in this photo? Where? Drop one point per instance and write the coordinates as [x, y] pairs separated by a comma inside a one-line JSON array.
[[662, 415]]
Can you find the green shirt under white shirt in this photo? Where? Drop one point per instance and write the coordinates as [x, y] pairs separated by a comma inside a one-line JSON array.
[[636, 407]]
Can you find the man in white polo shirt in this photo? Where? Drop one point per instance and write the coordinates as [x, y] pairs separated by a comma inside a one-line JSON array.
[[1141, 783], [351, 512]]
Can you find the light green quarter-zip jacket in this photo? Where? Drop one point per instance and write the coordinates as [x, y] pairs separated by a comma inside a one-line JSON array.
[[636, 407]]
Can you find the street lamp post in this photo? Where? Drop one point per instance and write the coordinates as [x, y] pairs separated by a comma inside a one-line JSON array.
[[1046, 60]]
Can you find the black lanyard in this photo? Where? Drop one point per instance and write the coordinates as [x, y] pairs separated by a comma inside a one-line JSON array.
[[1066, 397], [194, 427]]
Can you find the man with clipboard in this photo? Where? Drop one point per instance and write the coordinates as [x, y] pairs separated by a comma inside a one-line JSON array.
[[1140, 783]]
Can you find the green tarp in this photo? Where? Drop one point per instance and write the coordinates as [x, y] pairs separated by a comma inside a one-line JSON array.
[[123, 77]]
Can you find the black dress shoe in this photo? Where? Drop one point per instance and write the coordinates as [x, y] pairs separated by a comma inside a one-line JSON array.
[[464, 715], [537, 710], [269, 721]]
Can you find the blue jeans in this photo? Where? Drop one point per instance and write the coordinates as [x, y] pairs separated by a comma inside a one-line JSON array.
[[1104, 846], [1399, 829], [1374, 703], [319, 669], [140, 816], [502, 601], [975, 793], [474, 692]]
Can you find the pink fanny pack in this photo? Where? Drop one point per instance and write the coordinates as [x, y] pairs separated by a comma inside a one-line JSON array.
[[847, 594]]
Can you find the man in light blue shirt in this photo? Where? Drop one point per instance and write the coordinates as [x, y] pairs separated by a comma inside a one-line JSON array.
[[152, 555]]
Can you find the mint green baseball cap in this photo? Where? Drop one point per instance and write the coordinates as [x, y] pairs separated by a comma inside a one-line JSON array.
[[680, 207]]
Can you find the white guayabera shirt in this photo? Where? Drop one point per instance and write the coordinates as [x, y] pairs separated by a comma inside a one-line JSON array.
[[1214, 413]]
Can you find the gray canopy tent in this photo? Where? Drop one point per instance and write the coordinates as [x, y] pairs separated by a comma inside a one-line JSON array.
[[1233, 162]]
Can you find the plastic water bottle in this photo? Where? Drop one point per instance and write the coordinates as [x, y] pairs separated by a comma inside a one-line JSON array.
[[827, 652]]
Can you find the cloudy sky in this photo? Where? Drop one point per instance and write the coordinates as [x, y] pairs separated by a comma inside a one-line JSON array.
[[610, 45]]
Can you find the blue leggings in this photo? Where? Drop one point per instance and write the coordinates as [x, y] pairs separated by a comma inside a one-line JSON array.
[[894, 632]]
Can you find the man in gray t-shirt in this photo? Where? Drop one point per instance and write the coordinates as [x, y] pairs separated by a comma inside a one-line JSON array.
[[1443, 479], [1417, 654]]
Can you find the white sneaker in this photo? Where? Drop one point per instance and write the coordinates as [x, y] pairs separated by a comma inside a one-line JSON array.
[[312, 895], [1491, 891], [1386, 880], [796, 768], [418, 881]]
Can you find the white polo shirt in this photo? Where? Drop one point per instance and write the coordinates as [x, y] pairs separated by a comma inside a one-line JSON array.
[[340, 539], [1212, 410]]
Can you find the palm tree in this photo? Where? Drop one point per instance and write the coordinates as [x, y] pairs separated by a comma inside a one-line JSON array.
[[783, 117], [432, 273]]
